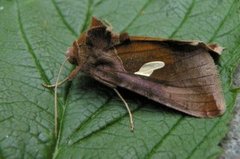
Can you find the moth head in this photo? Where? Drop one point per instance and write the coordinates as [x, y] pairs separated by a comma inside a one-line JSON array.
[[72, 53]]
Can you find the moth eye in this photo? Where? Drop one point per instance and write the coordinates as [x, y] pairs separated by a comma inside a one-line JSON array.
[[148, 68], [71, 56]]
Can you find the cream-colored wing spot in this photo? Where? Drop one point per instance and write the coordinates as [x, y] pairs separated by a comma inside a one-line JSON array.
[[148, 68]]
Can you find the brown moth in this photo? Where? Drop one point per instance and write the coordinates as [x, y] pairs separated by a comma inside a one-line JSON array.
[[179, 74]]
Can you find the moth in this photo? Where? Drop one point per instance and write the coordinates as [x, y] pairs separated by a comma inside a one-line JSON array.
[[178, 74]]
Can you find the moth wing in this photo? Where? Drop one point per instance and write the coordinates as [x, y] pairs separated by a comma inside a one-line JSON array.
[[213, 48], [148, 68], [188, 82]]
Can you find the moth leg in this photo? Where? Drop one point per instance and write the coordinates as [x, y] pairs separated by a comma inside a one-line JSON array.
[[68, 78], [128, 109], [53, 85]]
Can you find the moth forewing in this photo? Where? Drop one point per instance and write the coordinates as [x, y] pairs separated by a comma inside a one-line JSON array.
[[148, 68]]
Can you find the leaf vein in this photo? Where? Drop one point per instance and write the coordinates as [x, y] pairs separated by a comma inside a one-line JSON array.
[[158, 144], [87, 120], [221, 23], [29, 47], [137, 15], [63, 19], [88, 16], [107, 125], [186, 16], [202, 141]]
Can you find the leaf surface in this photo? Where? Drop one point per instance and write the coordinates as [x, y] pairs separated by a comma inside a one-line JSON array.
[[34, 36]]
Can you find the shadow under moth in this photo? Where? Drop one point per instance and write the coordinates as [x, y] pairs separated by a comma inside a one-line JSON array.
[[179, 74]]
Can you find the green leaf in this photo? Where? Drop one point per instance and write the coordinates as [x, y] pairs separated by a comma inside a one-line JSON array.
[[34, 35]]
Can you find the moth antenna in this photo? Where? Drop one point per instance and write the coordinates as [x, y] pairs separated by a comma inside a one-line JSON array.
[[128, 109], [53, 85], [57, 83], [55, 99]]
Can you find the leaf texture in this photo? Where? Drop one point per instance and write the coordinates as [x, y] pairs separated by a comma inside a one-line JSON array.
[[34, 36]]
